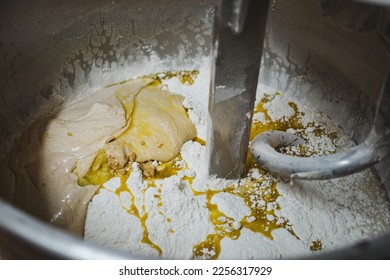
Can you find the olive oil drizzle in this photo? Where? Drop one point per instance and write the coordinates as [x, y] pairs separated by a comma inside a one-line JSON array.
[[222, 227], [200, 141], [185, 76], [262, 220], [269, 124], [134, 211]]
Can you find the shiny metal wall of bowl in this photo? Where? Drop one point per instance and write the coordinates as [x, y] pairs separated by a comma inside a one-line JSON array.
[[56, 46]]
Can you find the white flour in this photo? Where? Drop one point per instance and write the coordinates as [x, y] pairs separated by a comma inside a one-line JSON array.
[[179, 213]]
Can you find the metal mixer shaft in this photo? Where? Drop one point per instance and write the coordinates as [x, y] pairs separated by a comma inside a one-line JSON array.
[[238, 42]]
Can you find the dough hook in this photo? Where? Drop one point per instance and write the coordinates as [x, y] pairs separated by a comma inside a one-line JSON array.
[[374, 149], [377, 144]]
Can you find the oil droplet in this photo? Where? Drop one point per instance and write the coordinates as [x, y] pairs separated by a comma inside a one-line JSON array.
[[316, 245], [200, 141], [208, 249], [282, 125], [98, 173], [185, 77], [168, 169]]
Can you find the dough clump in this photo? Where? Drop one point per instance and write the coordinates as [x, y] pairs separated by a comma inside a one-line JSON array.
[[157, 125]]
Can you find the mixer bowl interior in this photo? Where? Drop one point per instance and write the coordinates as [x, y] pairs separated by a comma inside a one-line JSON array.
[[67, 47]]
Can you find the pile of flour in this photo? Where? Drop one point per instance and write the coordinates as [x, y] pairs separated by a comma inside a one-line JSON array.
[[175, 213]]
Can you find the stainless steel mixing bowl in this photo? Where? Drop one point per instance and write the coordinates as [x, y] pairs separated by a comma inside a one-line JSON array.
[[48, 46]]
